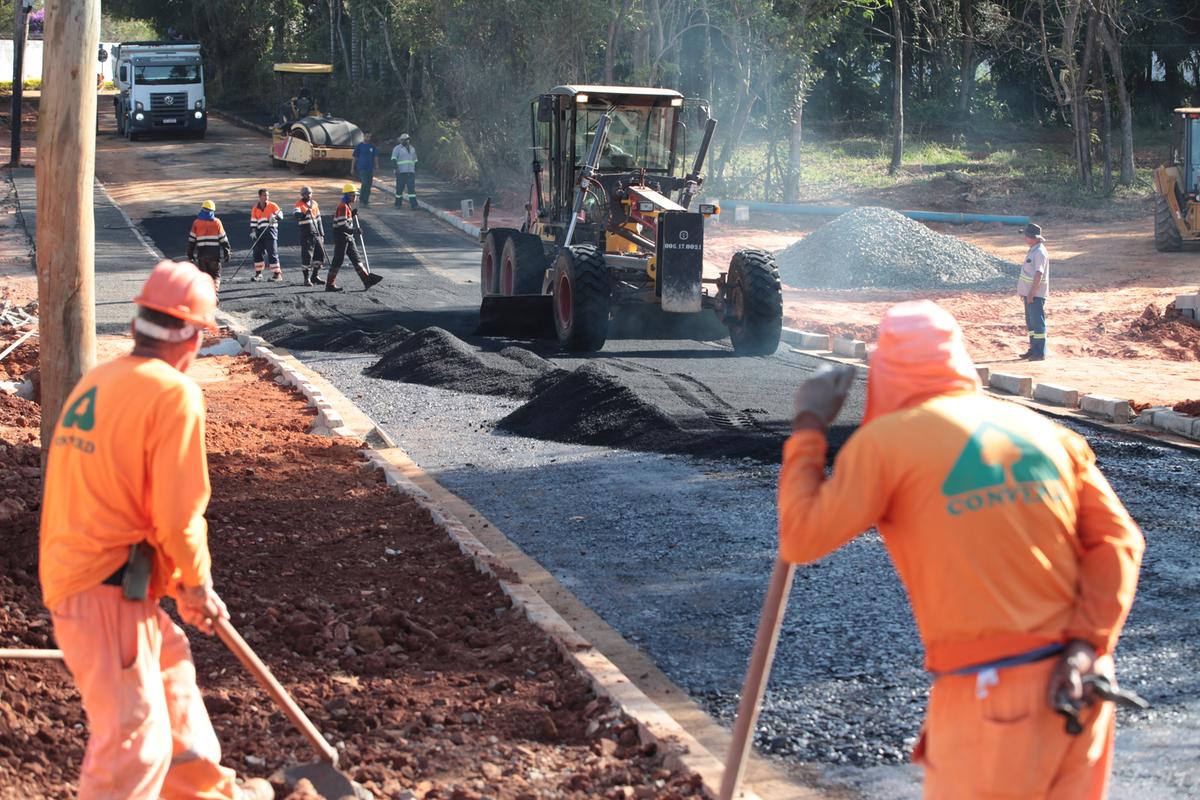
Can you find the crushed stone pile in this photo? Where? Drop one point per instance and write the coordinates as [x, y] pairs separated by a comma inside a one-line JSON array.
[[880, 248], [436, 357], [359, 341]]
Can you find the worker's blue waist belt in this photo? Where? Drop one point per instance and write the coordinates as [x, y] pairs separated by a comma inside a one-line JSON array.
[[1030, 657]]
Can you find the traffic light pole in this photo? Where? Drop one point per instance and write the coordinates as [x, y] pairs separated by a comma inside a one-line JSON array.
[[20, 27]]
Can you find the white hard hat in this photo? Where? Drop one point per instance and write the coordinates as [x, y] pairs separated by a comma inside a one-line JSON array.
[[403, 136]]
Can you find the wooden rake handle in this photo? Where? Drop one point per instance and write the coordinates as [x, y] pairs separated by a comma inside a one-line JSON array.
[[237, 645], [757, 673], [29, 654]]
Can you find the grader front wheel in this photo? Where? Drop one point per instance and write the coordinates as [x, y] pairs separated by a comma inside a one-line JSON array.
[[753, 303]]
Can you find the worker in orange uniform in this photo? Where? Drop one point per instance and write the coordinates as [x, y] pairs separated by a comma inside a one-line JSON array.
[[264, 235], [123, 526], [208, 246], [312, 236], [345, 228], [1019, 560]]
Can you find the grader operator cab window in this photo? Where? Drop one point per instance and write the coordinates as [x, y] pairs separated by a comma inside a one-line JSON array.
[[639, 137]]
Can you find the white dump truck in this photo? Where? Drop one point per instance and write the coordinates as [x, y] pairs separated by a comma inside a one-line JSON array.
[[161, 88]]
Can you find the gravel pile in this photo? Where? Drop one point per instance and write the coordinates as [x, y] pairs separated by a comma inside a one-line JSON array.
[[436, 357], [359, 341], [879, 248]]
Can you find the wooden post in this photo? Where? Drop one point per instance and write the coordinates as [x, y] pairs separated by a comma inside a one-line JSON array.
[[66, 161], [20, 29]]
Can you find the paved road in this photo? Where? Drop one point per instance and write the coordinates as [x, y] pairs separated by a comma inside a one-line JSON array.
[[673, 550]]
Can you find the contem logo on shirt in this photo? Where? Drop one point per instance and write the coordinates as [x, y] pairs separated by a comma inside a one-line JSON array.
[[998, 467]]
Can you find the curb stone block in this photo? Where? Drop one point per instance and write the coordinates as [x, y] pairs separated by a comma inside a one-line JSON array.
[[1147, 418], [1110, 408], [1056, 395], [810, 341], [850, 348], [790, 335], [1174, 422], [984, 373], [1020, 385]]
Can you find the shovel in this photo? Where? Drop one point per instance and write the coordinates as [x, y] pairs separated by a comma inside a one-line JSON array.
[[323, 773], [756, 678]]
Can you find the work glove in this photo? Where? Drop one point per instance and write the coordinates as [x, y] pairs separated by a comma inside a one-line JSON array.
[[822, 395]]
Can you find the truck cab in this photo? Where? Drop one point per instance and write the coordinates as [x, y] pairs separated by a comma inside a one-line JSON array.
[[161, 88]]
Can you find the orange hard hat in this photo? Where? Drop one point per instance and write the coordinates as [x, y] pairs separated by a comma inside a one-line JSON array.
[[182, 291]]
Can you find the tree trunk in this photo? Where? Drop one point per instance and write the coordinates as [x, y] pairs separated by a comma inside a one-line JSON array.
[[897, 88], [66, 168], [615, 24], [1081, 115], [966, 82], [1113, 49], [355, 50], [791, 186], [1105, 126]]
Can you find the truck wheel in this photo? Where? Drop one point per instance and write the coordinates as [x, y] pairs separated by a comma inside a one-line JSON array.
[[522, 265], [582, 292], [753, 303], [1166, 232], [489, 262]]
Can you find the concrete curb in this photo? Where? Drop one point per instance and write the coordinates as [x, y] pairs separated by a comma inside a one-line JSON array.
[[1019, 385], [1110, 408], [338, 416]]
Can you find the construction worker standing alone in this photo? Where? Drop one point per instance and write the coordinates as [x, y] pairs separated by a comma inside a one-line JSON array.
[[1033, 287], [404, 159], [312, 236], [123, 526], [264, 235], [363, 166], [208, 246], [1018, 558], [345, 228]]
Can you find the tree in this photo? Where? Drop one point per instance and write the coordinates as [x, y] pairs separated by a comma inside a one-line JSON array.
[[897, 87]]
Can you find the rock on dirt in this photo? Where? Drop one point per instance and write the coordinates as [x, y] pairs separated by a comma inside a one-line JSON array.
[[880, 248], [436, 357]]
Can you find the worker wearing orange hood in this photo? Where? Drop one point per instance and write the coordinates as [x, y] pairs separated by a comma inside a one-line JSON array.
[[1018, 558]]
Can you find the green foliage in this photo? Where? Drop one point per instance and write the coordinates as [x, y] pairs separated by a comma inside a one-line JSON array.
[[6, 87], [118, 29]]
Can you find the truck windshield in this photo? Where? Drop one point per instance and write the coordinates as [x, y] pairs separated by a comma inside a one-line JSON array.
[[163, 74], [638, 138]]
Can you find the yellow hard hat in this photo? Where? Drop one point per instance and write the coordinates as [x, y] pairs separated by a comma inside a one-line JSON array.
[[349, 188], [209, 205]]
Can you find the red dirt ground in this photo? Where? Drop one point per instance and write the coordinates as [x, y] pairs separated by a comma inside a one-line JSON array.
[[398, 649]]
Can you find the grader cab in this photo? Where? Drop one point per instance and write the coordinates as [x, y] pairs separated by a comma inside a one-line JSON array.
[[609, 225], [1177, 189]]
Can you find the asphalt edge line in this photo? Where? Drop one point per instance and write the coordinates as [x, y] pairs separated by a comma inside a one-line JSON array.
[[337, 415]]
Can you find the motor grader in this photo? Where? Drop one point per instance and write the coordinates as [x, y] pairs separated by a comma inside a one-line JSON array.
[[609, 225], [1177, 189], [306, 138]]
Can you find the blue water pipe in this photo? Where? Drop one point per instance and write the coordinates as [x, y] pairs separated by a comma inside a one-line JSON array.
[[953, 218]]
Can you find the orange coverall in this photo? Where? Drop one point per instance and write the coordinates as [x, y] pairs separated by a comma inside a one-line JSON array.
[[1007, 538], [127, 464]]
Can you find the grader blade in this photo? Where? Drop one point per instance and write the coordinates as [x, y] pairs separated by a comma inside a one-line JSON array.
[[524, 316]]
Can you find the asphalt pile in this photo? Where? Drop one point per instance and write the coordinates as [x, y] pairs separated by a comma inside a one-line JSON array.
[[877, 248], [436, 357]]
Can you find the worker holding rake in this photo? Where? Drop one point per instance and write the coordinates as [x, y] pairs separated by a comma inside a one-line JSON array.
[[1019, 560], [123, 526]]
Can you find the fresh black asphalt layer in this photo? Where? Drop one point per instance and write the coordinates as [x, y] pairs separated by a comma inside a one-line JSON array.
[[674, 550]]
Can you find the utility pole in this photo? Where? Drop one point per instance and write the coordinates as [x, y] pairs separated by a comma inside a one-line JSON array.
[[66, 163], [20, 28]]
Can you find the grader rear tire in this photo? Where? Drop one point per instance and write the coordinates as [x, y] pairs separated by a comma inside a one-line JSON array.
[[754, 303], [582, 291], [1166, 233], [522, 265], [489, 261]]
